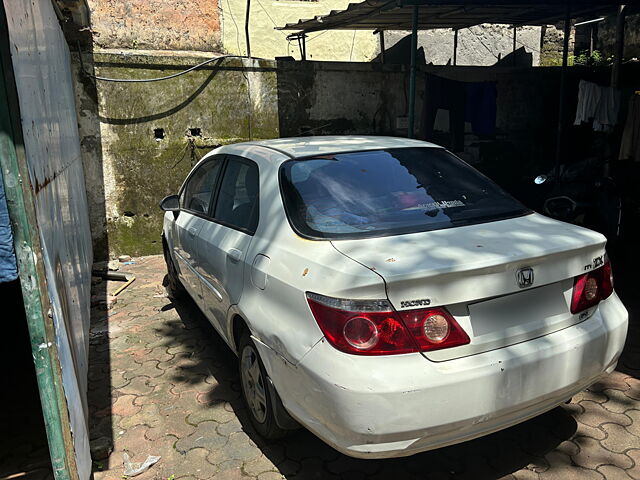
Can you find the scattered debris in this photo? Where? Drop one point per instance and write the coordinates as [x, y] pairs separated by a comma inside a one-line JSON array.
[[130, 262], [128, 277], [133, 469], [124, 258], [113, 266], [117, 276]]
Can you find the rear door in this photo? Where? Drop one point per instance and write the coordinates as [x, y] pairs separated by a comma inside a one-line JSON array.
[[195, 202], [224, 240]]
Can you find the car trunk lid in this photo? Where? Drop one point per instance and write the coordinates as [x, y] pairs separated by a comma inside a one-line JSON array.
[[481, 274]]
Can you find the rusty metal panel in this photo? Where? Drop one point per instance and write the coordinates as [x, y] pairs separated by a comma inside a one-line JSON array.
[[41, 65]]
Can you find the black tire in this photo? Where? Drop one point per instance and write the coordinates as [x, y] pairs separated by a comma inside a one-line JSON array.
[[172, 283], [260, 411]]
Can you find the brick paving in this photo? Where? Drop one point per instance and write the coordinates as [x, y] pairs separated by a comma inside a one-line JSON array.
[[162, 382]]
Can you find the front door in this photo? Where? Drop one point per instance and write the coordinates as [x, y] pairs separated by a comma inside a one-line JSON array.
[[224, 241], [195, 203]]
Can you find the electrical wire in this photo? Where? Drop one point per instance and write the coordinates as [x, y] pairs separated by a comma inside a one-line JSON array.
[[233, 19], [270, 18], [353, 42], [157, 79]]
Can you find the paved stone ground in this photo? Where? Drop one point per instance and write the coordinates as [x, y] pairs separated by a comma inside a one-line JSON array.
[[163, 383]]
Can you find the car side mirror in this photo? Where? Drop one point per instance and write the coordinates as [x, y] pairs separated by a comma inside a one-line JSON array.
[[170, 203]]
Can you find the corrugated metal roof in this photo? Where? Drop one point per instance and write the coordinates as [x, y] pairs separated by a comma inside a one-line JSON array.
[[396, 14]]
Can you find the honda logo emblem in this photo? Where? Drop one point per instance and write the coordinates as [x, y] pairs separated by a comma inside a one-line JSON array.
[[524, 276]]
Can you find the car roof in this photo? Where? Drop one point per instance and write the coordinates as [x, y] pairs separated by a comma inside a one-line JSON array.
[[304, 146]]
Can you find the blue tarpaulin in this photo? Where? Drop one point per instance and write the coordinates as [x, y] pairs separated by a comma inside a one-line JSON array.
[[8, 268]]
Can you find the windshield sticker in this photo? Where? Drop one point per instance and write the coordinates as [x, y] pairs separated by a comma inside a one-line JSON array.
[[442, 204]]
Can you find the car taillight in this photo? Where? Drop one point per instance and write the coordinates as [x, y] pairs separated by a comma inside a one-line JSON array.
[[434, 328], [592, 287], [373, 327]]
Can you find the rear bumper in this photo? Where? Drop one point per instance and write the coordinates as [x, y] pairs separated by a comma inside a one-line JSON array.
[[378, 407]]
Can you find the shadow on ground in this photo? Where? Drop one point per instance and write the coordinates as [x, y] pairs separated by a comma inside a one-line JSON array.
[[163, 382], [302, 455]]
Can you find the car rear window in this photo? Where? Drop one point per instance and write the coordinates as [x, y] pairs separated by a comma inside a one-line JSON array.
[[387, 192]]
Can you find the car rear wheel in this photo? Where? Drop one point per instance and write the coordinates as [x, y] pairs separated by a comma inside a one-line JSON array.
[[255, 391]]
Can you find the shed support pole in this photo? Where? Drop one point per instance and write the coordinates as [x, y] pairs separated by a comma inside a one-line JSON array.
[[563, 82], [304, 46], [412, 77], [381, 37], [246, 28], [455, 47], [619, 48], [513, 50]]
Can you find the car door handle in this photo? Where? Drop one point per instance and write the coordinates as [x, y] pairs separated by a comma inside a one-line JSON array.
[[192, 231], [234, 254]]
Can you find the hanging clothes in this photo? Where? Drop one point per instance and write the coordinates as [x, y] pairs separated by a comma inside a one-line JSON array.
[[474, 102], [481, 109], [588, 99], [630, 145], [597, 104], [607, 111], [442, 93]]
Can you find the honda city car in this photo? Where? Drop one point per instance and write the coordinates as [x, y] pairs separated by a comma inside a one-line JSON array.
[[385, 295]]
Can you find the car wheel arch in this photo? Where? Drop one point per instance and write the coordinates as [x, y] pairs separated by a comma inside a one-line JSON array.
[[238, 327]]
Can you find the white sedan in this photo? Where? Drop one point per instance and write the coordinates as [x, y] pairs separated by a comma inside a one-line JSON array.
[[385, 295]]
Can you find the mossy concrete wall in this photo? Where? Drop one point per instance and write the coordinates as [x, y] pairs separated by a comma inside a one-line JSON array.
[[151, 134]]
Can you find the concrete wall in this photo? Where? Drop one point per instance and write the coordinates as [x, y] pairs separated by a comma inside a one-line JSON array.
[[606, 36], [156, 24], [481, 45], [552, 44], [129, 169]]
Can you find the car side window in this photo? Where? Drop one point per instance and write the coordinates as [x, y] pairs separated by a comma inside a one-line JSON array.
[[198, 191], [237, 204]]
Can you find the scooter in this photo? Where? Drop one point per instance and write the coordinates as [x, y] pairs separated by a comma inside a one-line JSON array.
[[583, 197]]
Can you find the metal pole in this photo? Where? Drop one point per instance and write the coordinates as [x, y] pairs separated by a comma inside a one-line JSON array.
[[246, 28], [513, 51], [455, 47], [617, 61], [412, 78], [304, 46], [563, 81], [381, 37]]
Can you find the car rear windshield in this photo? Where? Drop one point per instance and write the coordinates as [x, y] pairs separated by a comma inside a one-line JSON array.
[[387, 192]]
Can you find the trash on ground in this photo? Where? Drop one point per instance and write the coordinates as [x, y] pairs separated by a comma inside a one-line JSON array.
[[124, 258], [117, 276], [133, 469]]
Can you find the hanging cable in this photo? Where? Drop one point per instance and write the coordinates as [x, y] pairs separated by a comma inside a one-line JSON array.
[[157, 79]]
